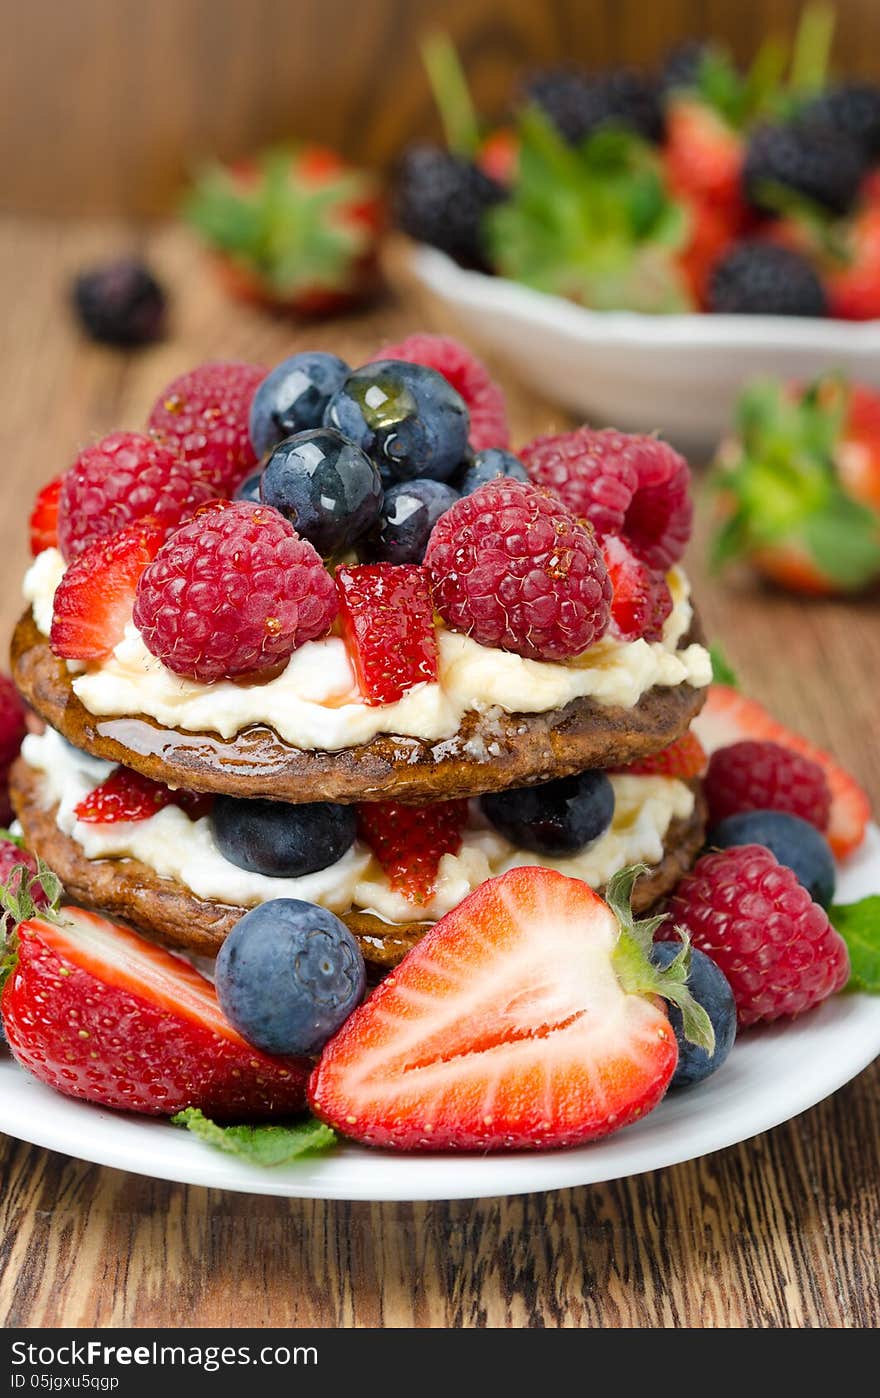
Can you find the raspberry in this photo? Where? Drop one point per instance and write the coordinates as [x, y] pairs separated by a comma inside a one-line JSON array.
[[388, 625], [512, 567], [13, 727], [759, 925], [634, 486], [233, 591], [12, 855], [410, 841], [641, 601], [764, 776], [468, 376], [204, 416], [121, 479], [684, 759]]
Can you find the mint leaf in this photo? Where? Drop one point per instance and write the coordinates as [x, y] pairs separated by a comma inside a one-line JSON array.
[[722, 670], [859, 926], [259, 1145]]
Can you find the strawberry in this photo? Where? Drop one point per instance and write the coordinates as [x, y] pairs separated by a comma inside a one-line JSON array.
[[127, 796], [703, 158], [641, 599], [526, 1018], [387, 619], [498, 155], [683, 759], [96, 1012], [857, 454], [729, 717], [295, 229], [711, 234], [94, 600], [853, 278], [44, 517], [410, 841]]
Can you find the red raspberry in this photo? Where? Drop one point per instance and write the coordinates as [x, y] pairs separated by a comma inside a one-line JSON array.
[[764, 776], [13, 727], [124, 478], [468, 376], [12, 855], [388, 625], [637, 487], [684, 759], [512, 567], [751, 916], [410, 841], [233, 591], [204, 416], [642, 600]]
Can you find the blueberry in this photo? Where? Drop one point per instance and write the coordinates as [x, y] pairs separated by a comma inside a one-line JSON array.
[[558, 817], [710, 988], [796, 844], [249, 489], [282, 841], [294, 397], [410, 511], [405, 416], [326, 486], [488, 465], [288, 975]]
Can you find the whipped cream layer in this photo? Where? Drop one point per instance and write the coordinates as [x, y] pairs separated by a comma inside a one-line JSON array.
[[315, 702], [176, 847]]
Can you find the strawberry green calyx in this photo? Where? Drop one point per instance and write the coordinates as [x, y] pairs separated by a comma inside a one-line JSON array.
[[637, 973], [18, 902], [593, 223]]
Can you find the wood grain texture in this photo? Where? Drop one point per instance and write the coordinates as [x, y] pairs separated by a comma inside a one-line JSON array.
[[110, 103], [778, 1232]]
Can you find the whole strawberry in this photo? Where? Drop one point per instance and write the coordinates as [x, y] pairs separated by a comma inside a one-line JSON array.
[[514, 569], [759, 925], [204, 416]]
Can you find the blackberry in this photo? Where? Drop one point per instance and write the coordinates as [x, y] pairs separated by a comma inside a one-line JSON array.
[[683, 63], [822, 165], [757, 278], [120, 303], [579, 103], [851, 109], [441, 198]]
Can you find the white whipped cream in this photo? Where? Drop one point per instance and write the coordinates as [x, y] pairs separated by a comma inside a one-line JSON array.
[[183, 849], [315, 703]]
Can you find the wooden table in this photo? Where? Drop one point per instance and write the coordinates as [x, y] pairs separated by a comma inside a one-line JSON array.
[[780, 1231]]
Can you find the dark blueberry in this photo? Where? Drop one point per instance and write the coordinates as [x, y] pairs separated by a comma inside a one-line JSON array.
[[120, 303], [288, 975], [279, 840], [250, 488], [488, 465], [580, 103], [823, 166], [796, 844], [325, 485], [757, 278], [442, 199], [405, 416], [410, 511], [853, 109], [559, 817], [710, 988], [294, 397]]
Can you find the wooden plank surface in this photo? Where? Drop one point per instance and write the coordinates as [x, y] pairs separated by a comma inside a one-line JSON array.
[[780, 1231]]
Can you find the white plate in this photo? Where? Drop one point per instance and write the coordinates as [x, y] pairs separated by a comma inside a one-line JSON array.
[[676, 373], [771, 1075]]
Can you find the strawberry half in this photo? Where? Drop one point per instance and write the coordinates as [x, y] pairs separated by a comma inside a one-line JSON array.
[[128, 796], [684, 759], [95, 597], [525, 1018], [387, 619], [44, 517], [96, 1012], [410, 841], [641, 599], [729, 717]]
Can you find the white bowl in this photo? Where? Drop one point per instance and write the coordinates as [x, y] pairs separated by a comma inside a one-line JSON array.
[[676, 373]]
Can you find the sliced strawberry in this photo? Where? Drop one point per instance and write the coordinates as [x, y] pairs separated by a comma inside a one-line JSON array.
[[525, 1018], [96, 1012], [44, 517], [684, 759], [642, 600], [387, 621], [410, 841], [728, 717], [128, 796], [95, 597]]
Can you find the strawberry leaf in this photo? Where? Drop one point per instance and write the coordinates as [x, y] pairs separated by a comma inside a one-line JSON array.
[[859, 926], [722, 671], [267, 1145]]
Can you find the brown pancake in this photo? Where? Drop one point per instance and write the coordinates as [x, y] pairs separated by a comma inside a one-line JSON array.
[[490, 752], [166, 911]]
